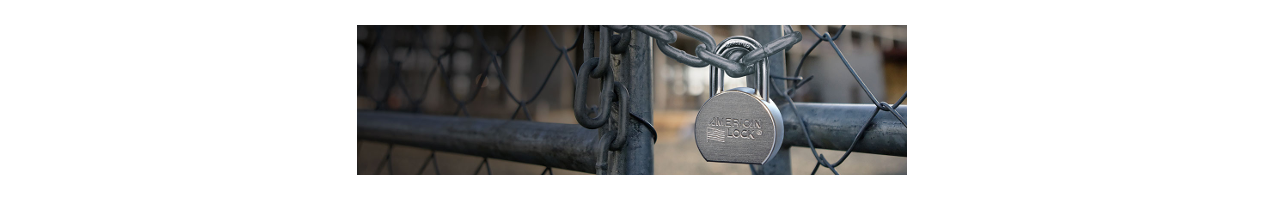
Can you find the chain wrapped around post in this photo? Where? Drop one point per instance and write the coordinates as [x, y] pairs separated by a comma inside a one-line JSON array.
[[743, 66], [597, 66], [611, 39]]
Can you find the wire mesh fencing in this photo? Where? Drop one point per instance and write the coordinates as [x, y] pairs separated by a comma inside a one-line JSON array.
[[447, 70], [416, 62]]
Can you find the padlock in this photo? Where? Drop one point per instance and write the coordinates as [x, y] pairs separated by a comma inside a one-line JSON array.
[[740, 125]]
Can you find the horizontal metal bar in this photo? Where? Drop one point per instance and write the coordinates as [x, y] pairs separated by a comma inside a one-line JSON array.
[[834, 126], [567, 146]]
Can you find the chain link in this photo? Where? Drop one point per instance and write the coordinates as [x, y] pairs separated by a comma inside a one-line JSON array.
[[590, 65], [738, 67], [623, 39], [599, 67], [608, 44], [603, 53]]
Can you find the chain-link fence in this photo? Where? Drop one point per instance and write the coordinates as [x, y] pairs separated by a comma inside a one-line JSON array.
[[432, 71]]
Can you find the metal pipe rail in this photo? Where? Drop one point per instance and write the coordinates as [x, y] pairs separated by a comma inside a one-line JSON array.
[[834, 126], [577, 148], [567, 146]]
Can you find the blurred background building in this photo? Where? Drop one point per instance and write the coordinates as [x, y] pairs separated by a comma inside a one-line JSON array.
[[877, 53]]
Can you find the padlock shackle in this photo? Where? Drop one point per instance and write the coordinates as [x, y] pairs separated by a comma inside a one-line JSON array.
[[717, 80]]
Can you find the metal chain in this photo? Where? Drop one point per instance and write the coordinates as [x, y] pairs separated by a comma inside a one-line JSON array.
[[591, 64], [597, 64], [598, 67], [665, 35]]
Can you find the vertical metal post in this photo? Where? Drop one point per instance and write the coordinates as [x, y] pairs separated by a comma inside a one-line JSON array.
[[765, 34], [635, 70]]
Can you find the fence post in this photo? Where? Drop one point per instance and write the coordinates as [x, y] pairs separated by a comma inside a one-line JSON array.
[[634, 69], [765, 34]]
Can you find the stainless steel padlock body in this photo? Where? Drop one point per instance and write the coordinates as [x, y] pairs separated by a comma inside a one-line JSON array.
[[739, 125]]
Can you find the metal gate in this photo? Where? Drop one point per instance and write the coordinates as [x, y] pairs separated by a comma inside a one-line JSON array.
[[615, 133]]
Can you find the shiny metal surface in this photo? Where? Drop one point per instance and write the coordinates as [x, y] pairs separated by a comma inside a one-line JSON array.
[[740, 125]]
